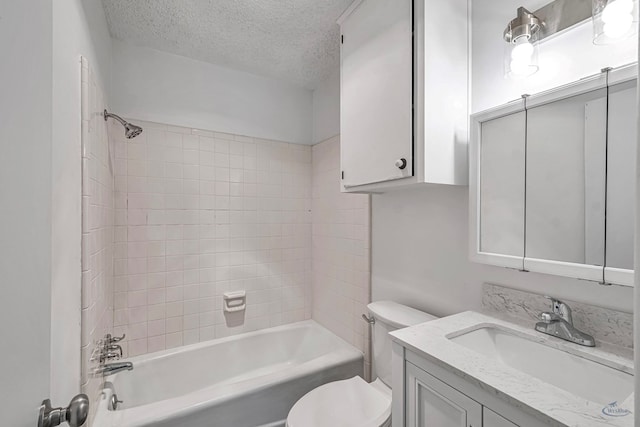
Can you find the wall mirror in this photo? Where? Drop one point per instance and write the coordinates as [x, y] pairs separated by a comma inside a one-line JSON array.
[[552, 180]]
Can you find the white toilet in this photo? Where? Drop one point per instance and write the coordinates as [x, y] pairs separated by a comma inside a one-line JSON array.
[[354, 402]]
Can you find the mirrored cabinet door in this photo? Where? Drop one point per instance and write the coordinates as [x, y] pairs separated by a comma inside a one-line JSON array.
[[502, 154], [621, 149], [552, 180], [565, 186]]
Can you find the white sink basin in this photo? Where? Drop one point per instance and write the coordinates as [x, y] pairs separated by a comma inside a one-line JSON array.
[[579, 376]]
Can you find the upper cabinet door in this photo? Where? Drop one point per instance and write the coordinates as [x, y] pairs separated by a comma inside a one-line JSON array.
[[376, 92], [621, 167], [565, 186]]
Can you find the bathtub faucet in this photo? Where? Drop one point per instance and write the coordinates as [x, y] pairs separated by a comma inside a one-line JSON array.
[[113, 368]]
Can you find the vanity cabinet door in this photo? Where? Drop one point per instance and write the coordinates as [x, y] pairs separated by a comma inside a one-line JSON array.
[[491, 419], [432, 403]]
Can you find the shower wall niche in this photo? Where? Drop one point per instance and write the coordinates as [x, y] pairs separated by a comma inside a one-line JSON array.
[[199, 213]]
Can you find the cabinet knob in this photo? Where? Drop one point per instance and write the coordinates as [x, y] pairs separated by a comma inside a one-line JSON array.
[[401, 163]]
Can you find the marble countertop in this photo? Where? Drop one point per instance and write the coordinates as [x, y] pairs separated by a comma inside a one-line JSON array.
[[547, 402]]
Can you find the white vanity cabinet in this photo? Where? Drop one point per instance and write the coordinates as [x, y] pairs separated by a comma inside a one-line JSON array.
[[491, 419], [552, 180], [403, 94], [427, 395], [432, 403]]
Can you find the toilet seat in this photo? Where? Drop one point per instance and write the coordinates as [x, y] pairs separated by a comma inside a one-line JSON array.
[[346, 403]]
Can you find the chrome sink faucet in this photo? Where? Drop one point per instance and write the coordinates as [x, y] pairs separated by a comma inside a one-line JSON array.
[[559, 323]]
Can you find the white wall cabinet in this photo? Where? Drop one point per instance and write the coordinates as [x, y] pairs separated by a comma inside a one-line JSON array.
[[552, 180], [427, 395], [403, 120]]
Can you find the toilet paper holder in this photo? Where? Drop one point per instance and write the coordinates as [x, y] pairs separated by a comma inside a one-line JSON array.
[[234, 301]]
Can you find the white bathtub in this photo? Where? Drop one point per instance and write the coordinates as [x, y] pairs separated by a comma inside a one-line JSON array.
[[246, 380]]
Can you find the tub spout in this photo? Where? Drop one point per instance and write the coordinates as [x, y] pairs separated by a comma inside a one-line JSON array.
[[113, 368]]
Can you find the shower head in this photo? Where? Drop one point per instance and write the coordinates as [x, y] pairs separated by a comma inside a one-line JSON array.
[[130, 130]]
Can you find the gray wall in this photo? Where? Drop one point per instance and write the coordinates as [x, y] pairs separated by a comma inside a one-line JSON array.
[[165, 88], [25, 192]]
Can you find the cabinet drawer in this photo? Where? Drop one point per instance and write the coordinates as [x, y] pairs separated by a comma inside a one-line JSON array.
[[491, 419]]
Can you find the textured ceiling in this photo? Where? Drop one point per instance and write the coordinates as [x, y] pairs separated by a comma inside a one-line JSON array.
[[291, 40]]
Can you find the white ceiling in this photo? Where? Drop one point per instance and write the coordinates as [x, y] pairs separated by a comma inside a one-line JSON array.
[[292, 40]]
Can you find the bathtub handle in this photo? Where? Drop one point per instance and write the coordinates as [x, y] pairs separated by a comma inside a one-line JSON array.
[[112, 340], [113, 402], [370, 320]]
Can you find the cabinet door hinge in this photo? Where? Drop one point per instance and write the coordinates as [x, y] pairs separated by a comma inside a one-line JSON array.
[[342, 39], [342, 174]]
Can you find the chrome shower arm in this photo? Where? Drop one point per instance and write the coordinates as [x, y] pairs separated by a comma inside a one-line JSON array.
[[114, 116], [130, 130]]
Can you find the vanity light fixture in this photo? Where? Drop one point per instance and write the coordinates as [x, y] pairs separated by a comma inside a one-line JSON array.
[[521, 52], [613, 20]]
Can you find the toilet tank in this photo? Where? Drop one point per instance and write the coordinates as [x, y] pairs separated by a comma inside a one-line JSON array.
[[389, 316]]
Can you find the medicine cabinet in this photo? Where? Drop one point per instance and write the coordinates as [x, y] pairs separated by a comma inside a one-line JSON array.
[[552, 180]]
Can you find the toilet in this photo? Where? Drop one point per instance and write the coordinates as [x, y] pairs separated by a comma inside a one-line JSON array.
[[354, 402]]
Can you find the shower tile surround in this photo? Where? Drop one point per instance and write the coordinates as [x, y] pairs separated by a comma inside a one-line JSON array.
[[200, 213], [97, 226], [341, 247], [611, 328]]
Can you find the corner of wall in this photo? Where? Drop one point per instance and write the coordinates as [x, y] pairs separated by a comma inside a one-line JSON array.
[[326, 109]]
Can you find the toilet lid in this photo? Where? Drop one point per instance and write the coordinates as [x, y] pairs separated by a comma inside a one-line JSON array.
[[347, 403]]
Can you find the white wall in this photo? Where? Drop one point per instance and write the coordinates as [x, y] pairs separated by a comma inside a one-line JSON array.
[[165, 88], [563, 58], [25, 191], [420, 257], [326, 108], [79, 28], [636, 293], [420, 239]]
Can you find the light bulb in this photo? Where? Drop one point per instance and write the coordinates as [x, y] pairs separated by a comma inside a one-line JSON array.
[[616, 9], [618, 28], [519, 68], [522, 51], [617, 18], [522, 57]]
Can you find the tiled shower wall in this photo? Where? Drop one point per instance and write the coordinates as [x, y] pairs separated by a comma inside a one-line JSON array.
[[97, 226], [341, 248], [198, 214]]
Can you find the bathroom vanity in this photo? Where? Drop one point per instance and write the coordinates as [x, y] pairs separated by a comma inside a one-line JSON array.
[[474, 370]]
